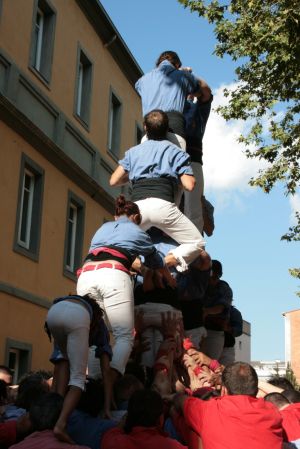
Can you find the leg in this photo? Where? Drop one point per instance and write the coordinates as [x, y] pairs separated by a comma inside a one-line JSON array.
[[192, 200], [61, 377], [71, 400], [213, 344]]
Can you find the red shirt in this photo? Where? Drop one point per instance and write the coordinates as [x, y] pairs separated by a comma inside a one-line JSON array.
[[291, 421], [235, 422], [8, 433], [139, 437], [44, 440]]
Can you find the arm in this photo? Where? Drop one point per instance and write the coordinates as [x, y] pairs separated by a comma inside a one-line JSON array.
[[204, 92], [188, 182], [119, 177], [107, 384]]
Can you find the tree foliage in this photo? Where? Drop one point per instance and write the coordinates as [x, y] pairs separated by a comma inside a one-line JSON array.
[[264, 36]]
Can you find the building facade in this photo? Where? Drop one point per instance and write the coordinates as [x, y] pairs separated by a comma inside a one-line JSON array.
[[292, 341], [243, 344], [68, 111]]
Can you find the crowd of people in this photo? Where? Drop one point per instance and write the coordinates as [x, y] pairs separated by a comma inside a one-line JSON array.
[[143, 353]]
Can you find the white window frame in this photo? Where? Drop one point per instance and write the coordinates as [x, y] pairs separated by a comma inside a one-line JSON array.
[[39, 25], [26, 243], [73, 221]]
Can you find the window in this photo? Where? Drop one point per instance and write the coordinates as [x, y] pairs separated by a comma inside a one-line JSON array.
[[29, 211], [83, 87], [114, 125], [18, 358], [74, 235], [138, 134], [43, 38]]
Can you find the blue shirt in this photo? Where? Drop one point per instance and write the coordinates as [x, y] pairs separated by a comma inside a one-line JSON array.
[[129, 236], [88, 430], [156, 159], [166, 88]]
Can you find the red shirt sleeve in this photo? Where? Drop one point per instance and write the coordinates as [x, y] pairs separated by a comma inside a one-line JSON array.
[[193, 411], [8, 433]]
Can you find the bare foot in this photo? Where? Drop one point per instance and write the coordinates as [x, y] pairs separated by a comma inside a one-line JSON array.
[[62, 435]]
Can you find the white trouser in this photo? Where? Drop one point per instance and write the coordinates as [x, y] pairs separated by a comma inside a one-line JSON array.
[[192, 200], [172, 137], [196, 336], [227, 356], [213, 344], [69, 323], [152, 317], [167, 217], [112, 289]]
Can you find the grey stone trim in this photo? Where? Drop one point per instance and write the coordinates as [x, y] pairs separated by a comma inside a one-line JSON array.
[[111, 39], [80, 204], [50, 140], [35, 235], [26, 296], [25, 355], [84, 118], [115, 152], [44, 74]]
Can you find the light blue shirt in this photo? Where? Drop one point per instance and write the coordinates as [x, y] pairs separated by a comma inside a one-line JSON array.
[[166, 88], [125, 234], [156, 159]]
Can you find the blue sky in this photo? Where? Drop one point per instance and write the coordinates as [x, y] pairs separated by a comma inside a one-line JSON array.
[[249, 223]]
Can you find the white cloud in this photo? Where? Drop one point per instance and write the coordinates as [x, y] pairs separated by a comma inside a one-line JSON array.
[[295, 207], [226, 168]]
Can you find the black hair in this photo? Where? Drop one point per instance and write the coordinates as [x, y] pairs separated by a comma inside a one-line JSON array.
[[292, 395], [156, 123], [144, 409], [170, 56], [92, 398], [240, 378], [45, 411], [216, 267], [281, 382], [31, 388], [278, 399]]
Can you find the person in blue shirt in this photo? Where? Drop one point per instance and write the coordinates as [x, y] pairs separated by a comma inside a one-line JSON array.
[[196, 113], [105, 275], [156, 169], [166, 87]]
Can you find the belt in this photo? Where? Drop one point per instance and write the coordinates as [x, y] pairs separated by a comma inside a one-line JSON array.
[[115, 266]]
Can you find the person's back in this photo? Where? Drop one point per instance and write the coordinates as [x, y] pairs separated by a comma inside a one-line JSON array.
[[143, 426], [237, 419]]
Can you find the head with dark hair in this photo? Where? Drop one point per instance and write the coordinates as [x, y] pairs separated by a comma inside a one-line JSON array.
[[281, 382], [136, 370], [3, 392], [292, 395], [216, 268], [277, 399], [240, 378], [156, 124], [93, 389], [44, 412], [170, 56], [31, 387], [128, 208], [145, 408], [125, 386], [6, 374]]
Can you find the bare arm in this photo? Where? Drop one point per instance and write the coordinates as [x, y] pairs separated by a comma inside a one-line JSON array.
[[205, 91], [119, 177], [188, 182]]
